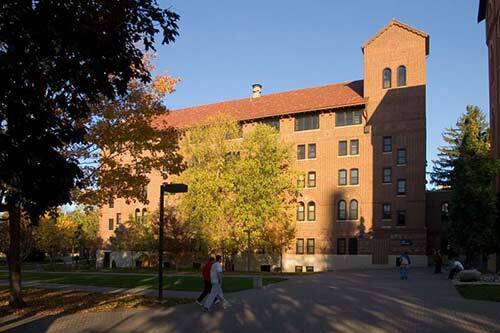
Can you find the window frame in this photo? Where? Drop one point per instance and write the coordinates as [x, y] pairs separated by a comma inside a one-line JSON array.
[[353, 210], [313, 211], [384, 138], [349, 117], [341, 250], [118, 218], [271, 122], [309, 247], [111, 203], [300, 205], [386, 215], [351, 146], [383, 175], [311, 182], [356, 170], [136, 214], [386, 81], [301, 247], [340, 150], [301, 152], [301, 181], [403, 181], [401, 213], [306, 122], [315, 152], [339, 177], [111, 224], [403, 159], [400, 83], [339, 210]]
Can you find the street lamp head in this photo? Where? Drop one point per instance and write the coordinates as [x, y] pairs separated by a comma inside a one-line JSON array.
[[174, 188]]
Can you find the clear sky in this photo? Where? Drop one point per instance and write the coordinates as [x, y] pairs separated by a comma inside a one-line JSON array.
[[226, 45]]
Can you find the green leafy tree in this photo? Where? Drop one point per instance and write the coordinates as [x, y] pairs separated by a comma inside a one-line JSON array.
[[466, 167], [86, 223], [242, 188], [57, 58], [55, 236]]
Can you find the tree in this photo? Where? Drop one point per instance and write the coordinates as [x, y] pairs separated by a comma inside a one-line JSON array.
[[55, 235], [26, 233], [86, 223], [57, 58], [126, 140], [211, 156], [136, 234], [241, 187], [265, 190], [467, 168]]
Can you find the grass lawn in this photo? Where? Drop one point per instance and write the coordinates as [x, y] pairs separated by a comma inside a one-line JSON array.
[[187, 283], [480, 292]]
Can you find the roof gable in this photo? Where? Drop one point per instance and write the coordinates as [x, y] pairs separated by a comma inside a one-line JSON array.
[[402, 25]]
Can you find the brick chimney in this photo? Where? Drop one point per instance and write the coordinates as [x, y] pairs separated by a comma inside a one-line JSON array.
[[256, 90]]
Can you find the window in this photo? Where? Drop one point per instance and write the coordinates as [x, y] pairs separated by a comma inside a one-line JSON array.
[[401, 76], [354, 177], [340, 245], [342, 210], [386, 78], [310, 246], [387, 175], [353, 210], [401, 157], [145, 191], [300, 211], [111, 224], [342, 148], [272, 122], [311, 150], [300, 246], [348, 117], [386, 211], [144, 214], [301, 181], [354, 147], [306, 122], [118, 218], [353, 246], [311, 211], [311, 179], [401, 186], [111, 204], [342, 177], [387, 144], [136, 216], [301, 152], [298, 269], [310, 269], [401, 217]]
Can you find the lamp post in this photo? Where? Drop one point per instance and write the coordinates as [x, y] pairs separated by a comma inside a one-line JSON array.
[[165, 188]]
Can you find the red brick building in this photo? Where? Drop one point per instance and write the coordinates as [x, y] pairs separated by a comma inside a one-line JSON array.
[[362, 147]]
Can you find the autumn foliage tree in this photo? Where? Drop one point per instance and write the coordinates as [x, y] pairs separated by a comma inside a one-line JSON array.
[[242, 188], [57, 59]]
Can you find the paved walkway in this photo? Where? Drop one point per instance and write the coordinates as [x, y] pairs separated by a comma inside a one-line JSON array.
[[343, 301]]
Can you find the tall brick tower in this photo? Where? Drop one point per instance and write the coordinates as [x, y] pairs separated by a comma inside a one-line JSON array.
[[394, 86]]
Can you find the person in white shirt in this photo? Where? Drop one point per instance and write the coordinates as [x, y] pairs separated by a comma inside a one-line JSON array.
[[216, 280], [456, 267]]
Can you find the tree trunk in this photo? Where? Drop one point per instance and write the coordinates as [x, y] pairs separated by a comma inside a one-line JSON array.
[[14, 257], [281, 259]]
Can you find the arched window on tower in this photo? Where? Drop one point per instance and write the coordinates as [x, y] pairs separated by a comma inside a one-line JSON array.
[[144, 214], [386, 78], [353, 210], [136, 216], [401, 76], [341, 210], [300, 211]]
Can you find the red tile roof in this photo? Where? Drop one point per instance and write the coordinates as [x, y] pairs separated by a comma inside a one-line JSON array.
[[290, 102]]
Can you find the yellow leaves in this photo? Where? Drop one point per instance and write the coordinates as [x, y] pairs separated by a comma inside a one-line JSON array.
[[164, 84]]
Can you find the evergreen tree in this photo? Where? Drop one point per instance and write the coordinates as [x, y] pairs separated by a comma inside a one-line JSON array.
[[465, 166]]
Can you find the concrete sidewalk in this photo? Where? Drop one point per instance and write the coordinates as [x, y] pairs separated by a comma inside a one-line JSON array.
[[353, 302]]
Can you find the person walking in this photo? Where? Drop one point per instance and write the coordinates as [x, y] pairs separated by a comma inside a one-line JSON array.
[[456, 267], [216, 280], [404, 262], [438, 262], [206, 280]]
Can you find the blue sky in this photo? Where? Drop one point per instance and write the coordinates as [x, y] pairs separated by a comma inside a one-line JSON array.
[[225, 45]]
